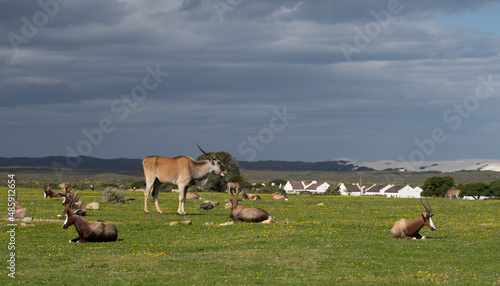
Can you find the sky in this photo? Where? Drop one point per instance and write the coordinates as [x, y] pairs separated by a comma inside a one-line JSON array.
[[262, 80]]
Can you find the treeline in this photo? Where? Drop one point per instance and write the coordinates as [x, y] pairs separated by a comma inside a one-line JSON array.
[[438, 186]]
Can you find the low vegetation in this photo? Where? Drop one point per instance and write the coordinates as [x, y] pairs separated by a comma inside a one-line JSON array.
[[113, 196], [313, 240]]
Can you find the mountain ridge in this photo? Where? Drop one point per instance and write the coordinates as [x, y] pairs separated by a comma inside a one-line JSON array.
[[337, 165]]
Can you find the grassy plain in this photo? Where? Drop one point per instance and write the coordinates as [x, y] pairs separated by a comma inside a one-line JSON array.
[[346, 241]]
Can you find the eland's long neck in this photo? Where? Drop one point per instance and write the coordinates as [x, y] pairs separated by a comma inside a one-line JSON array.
[[202, 169]]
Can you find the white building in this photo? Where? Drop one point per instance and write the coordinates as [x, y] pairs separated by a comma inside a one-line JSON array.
[[315, 187], [395, 191], [409, 192], [294, 188], [377, 190], [350, 189]]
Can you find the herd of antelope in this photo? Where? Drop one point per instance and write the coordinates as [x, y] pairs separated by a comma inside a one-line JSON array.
[[184, 172]]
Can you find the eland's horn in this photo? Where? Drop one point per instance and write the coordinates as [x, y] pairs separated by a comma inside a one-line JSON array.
[[208, 154]]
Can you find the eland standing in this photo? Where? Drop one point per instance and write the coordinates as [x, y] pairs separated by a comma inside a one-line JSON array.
[[182, 171]]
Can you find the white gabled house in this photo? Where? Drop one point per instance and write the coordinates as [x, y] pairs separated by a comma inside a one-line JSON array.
[[409, 192], [315, 187], [350, 189], [294, 188], [395, 191], [377, 190]]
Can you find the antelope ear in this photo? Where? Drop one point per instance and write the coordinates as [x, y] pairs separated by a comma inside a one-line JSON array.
[[423, 217]]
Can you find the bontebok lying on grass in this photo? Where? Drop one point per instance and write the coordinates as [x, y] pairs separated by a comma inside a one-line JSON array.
[[239, 213], [15, 211], [404, 228], [47, 192], [99, 231]]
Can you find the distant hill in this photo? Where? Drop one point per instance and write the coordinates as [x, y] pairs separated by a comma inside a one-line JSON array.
[[338, 165], [84, 162]]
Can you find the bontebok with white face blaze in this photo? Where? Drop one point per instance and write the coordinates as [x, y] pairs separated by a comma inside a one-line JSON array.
[[404, 228], [99, 231], [182, 171]]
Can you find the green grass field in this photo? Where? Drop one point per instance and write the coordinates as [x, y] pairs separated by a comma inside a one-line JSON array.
[[345, 241]]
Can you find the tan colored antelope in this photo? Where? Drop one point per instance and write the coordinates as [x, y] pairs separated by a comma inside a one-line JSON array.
[[452, 194], [99, 231], [278, 196], [251, 197], [15, 211], [242, 214], [182, 171], [404, 228], [47, 192], [189, 196], [233, 186]]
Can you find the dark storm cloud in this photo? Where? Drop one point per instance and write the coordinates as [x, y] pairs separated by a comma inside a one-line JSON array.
[[230, 64]]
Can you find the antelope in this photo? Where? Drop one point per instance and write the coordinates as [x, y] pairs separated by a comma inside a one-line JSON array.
[[47, 192], [15, 210], [182, 171], [452, 194], [77, 205], [68, 197], [278, 196], [99, 231], [239, 213], [232, 186], [63, 186], [246, 196], [409, 229]]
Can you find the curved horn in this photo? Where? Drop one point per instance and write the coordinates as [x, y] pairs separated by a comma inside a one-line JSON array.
[[427, 200], [208, 154], [73, 201], [426, 209]]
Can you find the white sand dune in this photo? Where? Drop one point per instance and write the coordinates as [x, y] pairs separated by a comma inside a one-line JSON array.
[[440, 166]]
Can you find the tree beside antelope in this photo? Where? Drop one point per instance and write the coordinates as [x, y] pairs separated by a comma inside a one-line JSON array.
[[404, 228], [182, 171]]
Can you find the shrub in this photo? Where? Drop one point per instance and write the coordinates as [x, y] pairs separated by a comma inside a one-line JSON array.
[[113, 196]]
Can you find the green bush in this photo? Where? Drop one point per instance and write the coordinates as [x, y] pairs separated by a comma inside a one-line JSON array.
[[113, 196]]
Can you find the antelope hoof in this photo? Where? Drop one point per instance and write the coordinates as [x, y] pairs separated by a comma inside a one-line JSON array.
[[147, 213], [181, 214]]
